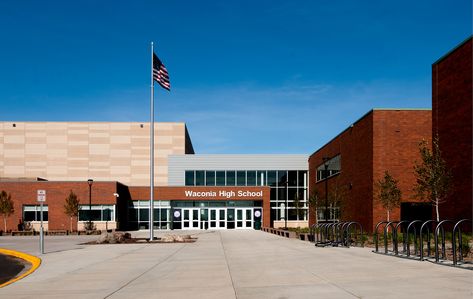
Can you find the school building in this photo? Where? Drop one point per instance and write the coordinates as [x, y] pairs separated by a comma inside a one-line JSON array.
[[106, 164]]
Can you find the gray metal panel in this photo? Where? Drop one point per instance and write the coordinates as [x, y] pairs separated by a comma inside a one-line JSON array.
[[178, 164]]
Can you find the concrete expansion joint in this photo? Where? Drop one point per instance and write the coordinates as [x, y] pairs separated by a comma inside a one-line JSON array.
[[149, 269], [333, 284], [226, 262], [111, 258], [33, 260]]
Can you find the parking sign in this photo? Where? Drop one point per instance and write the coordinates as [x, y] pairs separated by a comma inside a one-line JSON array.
[[41, 195]]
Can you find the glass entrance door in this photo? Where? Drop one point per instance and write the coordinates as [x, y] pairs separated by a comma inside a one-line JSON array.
[[217, 218], [190, 218], [244, 217]]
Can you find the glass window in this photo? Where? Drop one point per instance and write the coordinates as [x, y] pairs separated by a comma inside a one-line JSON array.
[[292, 193], [333, 167], [273, 194], [231, 215], [292, 178], [302, 194], [144, 214], [200, 178], [272, 178], [241, 178], [190, 178], [95, 215], [29, 216], [261, 178], [282, 194], [282, 178], [107, 214], [251, 178], [210, 178], [220, 179], [302, 178], [230, 178], [33, 213], [98, 213], [165, 214]]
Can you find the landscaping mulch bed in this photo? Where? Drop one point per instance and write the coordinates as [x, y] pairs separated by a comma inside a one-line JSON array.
[[10, 267], [125, 238]]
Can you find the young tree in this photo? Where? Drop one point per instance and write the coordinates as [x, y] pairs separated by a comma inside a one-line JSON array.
[[298, 204], [6, 207], [389, 193], [71, 206], [336, 198], [433, 178], [314, 202]]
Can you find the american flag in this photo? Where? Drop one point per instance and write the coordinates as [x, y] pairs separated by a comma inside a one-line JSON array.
[[160, 73]]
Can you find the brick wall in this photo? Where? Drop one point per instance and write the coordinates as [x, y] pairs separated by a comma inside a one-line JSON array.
[[381, 140], [452, 120], [355, 146], [25, 193], [396, 138]]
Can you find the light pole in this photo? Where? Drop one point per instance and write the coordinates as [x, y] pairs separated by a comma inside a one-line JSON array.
[[90, 181], [326, 163]]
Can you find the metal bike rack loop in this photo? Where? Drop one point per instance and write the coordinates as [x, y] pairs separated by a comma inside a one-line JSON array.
[[457, 229], [395, 234], [421, 238], [413, 225], [436, 232]]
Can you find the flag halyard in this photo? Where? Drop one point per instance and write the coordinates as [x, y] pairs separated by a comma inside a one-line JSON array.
[[160, 73]]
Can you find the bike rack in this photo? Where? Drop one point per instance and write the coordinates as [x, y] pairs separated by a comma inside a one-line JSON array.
[[405, 236], [337, 234], [376, 235], [424, 235], [457, 229], [347, 235], [386, 227], [412, 224], [437, 228], [425, 224], [312, 232], [320, 234]]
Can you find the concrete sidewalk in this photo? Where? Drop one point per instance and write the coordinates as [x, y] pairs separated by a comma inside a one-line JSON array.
[[236, 264]]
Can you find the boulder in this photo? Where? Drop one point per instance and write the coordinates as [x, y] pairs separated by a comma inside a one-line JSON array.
[[113, 238], [170, 238]]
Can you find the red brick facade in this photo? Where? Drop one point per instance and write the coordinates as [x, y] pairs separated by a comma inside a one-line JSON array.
[[381, 140], [25, 193], [452, 121]]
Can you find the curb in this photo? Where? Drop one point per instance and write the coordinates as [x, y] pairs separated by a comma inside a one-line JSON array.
[[35, 263]]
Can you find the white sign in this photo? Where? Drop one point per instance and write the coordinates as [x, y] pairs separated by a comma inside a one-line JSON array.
[[224, 193], [257, 213], [41, 195], [177, 214]]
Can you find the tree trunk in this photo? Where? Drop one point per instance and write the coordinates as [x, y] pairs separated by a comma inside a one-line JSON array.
[[5, 222], [388, 215], [437, 209], [71, 224]]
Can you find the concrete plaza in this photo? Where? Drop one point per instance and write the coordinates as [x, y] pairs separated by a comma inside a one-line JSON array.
[[227, 264]]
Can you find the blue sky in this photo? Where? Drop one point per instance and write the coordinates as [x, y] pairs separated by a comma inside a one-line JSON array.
[[246, 76]]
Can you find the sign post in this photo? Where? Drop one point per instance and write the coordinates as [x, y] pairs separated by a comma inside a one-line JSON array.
[[41, 199]]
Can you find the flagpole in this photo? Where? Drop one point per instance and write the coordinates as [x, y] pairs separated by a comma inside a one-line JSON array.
[[151, 154]]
